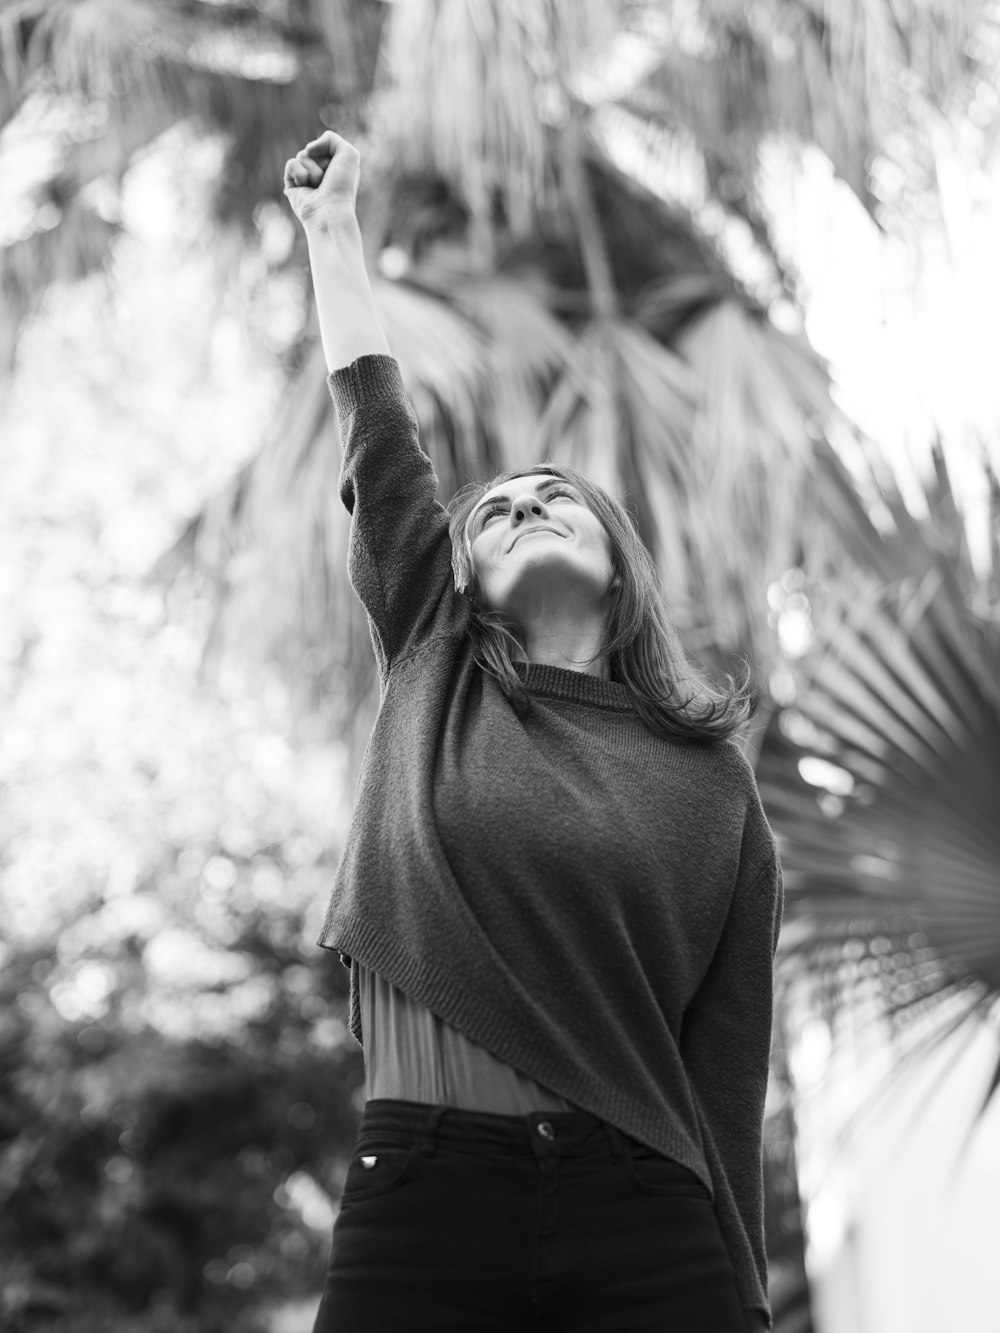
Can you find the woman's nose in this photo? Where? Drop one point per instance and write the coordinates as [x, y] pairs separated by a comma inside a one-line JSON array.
[[525, 506]]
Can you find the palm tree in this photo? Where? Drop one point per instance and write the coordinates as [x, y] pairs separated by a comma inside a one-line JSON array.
[[552, 192], [882, 774]]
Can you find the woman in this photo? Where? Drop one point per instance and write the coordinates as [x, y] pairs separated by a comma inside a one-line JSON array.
[[559, 897]]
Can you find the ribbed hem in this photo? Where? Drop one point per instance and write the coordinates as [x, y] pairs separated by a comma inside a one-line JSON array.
[[575, 686], [373, 376]]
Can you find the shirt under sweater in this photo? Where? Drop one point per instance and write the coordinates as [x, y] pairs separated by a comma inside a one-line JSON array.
[[596, 905], [414, 1056]]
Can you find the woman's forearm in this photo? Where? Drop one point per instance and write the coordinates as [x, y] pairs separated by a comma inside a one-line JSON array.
[[348, 322]]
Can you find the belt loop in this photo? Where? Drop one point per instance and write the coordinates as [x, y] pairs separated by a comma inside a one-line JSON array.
[[618, 1148], [431, 1128]]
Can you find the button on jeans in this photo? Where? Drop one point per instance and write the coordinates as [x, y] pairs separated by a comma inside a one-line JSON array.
[[547, 1223]]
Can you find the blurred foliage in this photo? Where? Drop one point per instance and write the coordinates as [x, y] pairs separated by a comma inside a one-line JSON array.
[[177, 1084], [156, 1181]]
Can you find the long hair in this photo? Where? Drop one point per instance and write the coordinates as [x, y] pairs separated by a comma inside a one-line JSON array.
[[673, 697]]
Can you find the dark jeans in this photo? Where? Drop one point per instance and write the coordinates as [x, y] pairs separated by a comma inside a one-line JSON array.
[[548, 1223]]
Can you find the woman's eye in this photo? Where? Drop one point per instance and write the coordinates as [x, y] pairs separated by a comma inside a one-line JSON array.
[[490, 512]]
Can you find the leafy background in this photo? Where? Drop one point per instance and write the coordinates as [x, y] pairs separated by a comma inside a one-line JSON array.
[[595, 230]]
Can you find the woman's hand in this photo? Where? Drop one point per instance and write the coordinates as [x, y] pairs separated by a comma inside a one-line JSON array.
[[321, 180]]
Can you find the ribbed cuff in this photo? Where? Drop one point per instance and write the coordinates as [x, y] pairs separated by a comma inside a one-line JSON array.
[[369, 377]]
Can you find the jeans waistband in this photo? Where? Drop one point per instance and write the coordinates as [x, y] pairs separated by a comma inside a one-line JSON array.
[[538, 1133]]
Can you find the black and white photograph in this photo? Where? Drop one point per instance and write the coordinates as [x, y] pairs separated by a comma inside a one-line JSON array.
[[499, 666]]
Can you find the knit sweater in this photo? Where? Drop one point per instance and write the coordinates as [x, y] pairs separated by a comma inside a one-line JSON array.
[[596, 905]]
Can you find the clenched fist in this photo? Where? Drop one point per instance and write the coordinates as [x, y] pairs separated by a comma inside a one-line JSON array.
[[321, 180]]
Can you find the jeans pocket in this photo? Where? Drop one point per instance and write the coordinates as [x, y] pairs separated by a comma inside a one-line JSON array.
[[377, 1171], [652, 1173]]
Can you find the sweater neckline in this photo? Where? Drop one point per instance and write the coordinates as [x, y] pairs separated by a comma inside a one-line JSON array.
[[575, 686]]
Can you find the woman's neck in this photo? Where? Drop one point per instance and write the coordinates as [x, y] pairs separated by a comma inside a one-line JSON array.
[[572, 646]]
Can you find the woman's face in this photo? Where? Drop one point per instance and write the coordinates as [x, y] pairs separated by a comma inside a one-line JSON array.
[[534, 540]]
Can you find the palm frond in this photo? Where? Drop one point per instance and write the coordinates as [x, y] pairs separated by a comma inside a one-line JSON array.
[[350, 32], [443, 357], [527, 349], [756, 506], [624, 406], [116, 74], [505, 67], [67, 236], [853, 78], [883, 783], [659, 398], [649, 241], [87, 49], [729, 90]]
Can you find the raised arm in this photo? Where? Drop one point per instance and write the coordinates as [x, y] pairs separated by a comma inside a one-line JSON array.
[[321, 184], [399, 555]]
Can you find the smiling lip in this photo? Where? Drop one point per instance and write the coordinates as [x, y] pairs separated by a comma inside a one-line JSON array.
[[525, 532]]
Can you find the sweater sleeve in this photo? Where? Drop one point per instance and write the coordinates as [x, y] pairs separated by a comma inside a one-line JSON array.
[[725, 1047], [399, 553]]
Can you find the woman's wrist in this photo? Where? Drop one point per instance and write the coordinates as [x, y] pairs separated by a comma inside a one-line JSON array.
[[348, 321], [339, 229]]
